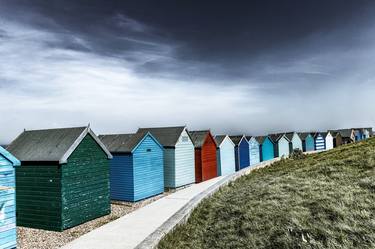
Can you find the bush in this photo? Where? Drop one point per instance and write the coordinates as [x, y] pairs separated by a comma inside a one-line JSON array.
[[297, 154]]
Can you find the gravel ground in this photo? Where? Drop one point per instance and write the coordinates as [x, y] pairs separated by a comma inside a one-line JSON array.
[[29, 238]]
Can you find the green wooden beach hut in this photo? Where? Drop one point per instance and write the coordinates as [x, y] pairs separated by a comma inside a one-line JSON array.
[[64, 178]]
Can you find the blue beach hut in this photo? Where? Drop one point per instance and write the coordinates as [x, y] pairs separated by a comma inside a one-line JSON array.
[[254, 150], [241, 151], [136, 170], [8, 233], [308, 141], [226, 162], [320, 142], [179, 154], [267, 150]]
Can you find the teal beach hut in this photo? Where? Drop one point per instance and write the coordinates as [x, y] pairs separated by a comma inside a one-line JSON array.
[[267, 150], [308, 141], [8, 233], [136, 170], [226, 161]]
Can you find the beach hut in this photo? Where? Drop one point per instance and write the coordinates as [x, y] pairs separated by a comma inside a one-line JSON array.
[[308, 141], [254, 150], [267, 148], [8, 232], [205, 155], [347, 135], [241, 149], [63, 180], [136, 170], [295, 140], [226, 163], [179, 166], [282, 144], [337, 139], [367, 133], [329, 143], [319, 139]]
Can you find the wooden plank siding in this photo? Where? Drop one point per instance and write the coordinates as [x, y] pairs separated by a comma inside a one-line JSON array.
[[254, 152], [8, 233], [148, 169], [121, 177], [85, 184], [243, 155], [320, 142], [225, 158], [208, 159], [267, 150], [39, 200], [169, 168], [184, 161]]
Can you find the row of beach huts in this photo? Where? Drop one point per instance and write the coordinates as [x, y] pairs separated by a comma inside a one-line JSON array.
[[56, 179]]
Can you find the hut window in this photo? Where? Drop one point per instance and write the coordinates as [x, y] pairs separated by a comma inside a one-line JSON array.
[[148, 150], [185, 139]]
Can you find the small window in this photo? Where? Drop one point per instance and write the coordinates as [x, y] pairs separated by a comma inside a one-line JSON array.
[[148, 150], [185, 139]]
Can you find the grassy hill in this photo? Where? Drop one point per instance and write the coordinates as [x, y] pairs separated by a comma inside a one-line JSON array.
[[325, 200]]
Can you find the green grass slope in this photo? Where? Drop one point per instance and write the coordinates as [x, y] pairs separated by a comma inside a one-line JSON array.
[[326, 200]]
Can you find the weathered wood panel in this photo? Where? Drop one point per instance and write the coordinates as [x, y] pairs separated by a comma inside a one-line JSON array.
[[38, 192], [209, 160], [85, 184], [184, 161]]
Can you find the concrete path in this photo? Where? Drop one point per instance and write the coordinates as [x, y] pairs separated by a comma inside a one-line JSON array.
[[144, 227], [130, 230]]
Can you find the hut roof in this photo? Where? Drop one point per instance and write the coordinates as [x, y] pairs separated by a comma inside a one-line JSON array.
[[276, 137], [199, 137], [123, 143], [260, 139], [347, 133], [289, 135], [236, 139], [51, 145], [9, 157], [304, 135], [167, 136], [219, 139]]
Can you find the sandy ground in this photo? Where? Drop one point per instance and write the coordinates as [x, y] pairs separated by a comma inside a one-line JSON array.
[[29, 238]]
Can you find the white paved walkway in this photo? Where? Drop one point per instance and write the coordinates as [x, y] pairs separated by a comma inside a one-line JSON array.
[[130, 230]]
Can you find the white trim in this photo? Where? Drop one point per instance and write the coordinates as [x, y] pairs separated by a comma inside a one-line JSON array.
[[227, 137], [74, 146]]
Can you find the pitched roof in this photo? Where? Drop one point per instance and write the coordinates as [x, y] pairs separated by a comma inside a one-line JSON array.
[[51, 145], [237, 139], [167, 136], [219, 139], [9, 157], [199, 137], [122, 143], [260, 139], [289, 135], [345, 132], [276, 137], [304, 135]]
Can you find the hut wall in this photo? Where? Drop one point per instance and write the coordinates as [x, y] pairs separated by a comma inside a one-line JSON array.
[[329, 142], [283, 147], [121, 177], [244, 157], [184, 161], [169, 168], [268, 152], [38, 192], [297, 142], [148, 169], [85, 184], [8, 233], [309, 143], [209, 162], [320, 143], [225, 160], [254, 153]]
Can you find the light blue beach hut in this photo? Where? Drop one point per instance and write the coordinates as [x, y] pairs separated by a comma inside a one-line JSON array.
[[8, 233], [254, 150], [136, 170], [225, 155], [179, 155], [282, 144]]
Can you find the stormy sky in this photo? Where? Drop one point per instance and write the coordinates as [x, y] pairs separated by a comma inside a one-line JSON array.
[[251, 67]]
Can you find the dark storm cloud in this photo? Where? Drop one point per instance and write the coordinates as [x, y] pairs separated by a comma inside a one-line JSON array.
[[234, 66]]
